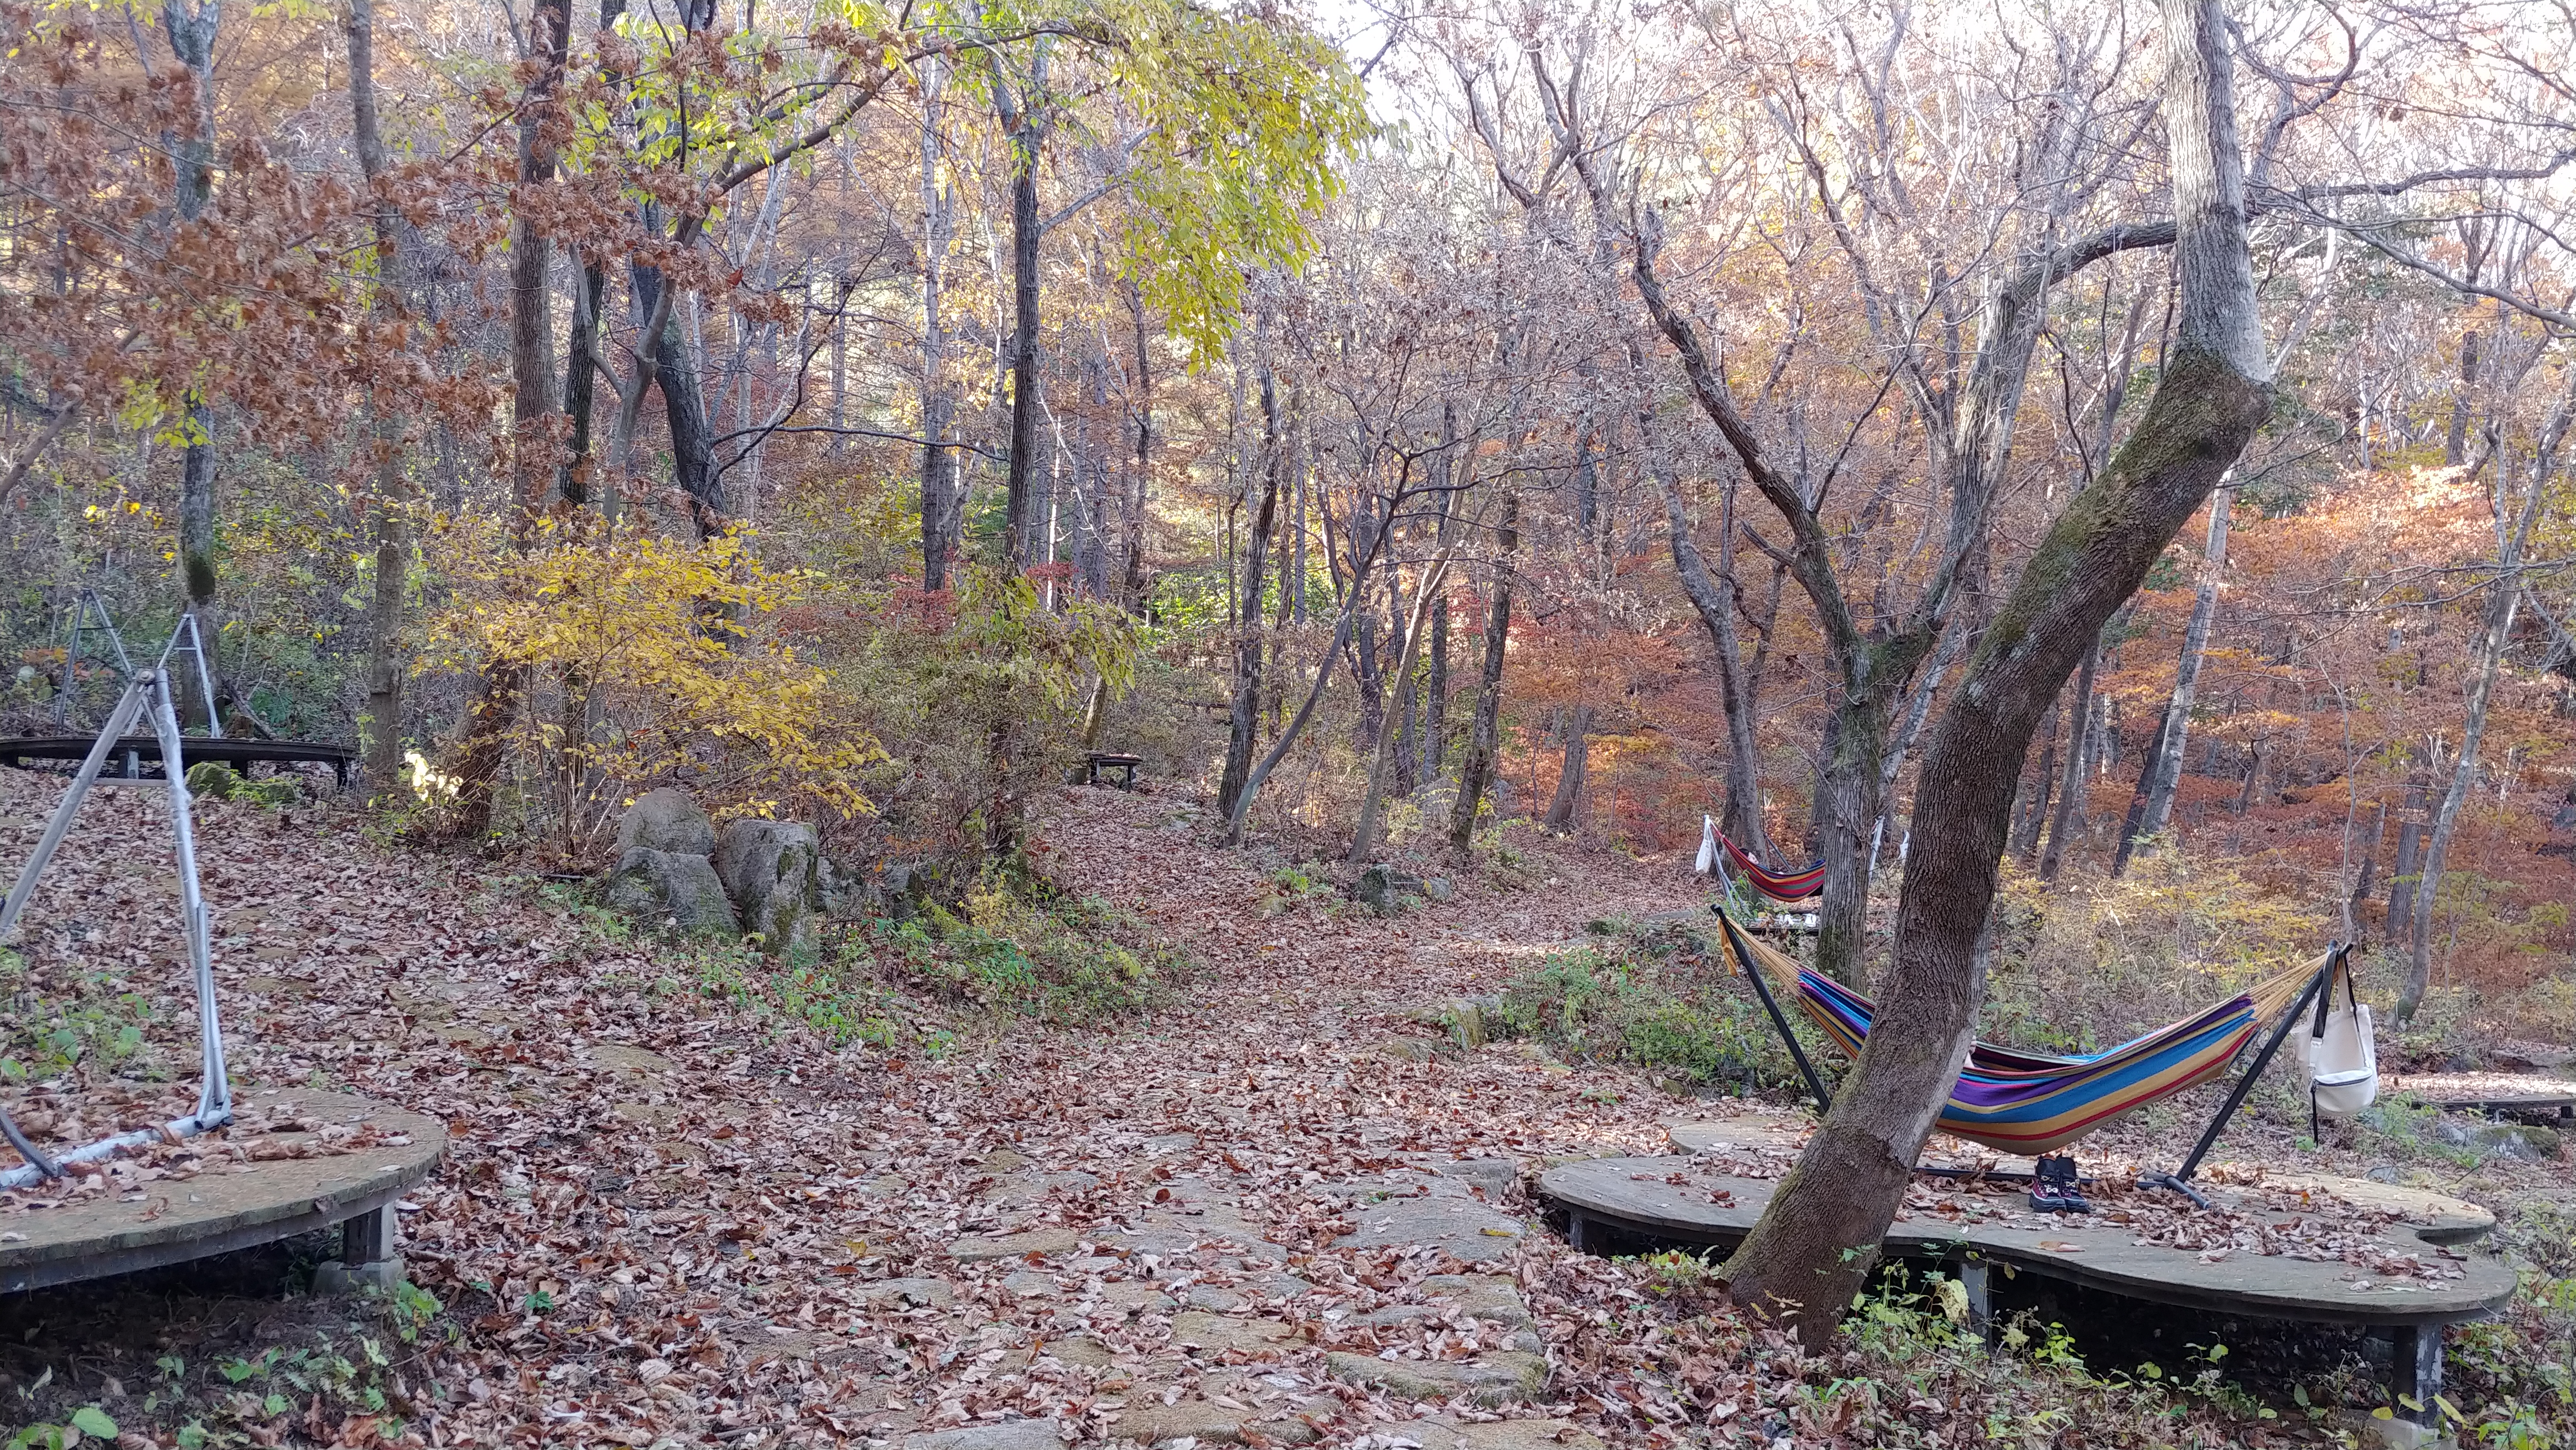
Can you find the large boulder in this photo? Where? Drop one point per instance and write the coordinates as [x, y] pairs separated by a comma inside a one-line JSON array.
[[1383, 889], [772, 870], [844, 889], [678, 885], [665, 819]]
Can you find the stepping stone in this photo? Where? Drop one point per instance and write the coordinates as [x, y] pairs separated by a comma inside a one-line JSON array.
[[1443, 1214], [1500, 1378], [1483, 1296], [1007, 1435], [631, 1061], [1082, 1350], [1136, 1296], [1011, 1246], [1493, 1435], [936, 1293], [1494, 1175], [1219, 1334], [1030, 1285], [1155, 1423]]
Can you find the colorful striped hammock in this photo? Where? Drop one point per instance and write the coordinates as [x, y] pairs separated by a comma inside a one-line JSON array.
[[1777, 886], [2027, 1102]]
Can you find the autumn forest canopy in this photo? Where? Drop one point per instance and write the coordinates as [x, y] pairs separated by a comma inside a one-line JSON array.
[[2093, 478]]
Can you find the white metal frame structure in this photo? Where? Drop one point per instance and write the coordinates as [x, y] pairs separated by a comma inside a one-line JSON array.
[[146, 692]]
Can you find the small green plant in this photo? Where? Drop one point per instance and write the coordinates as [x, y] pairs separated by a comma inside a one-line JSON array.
[[1655, 1004], [88, 1421], [1016, 944], [214, 780], [1298, 888]]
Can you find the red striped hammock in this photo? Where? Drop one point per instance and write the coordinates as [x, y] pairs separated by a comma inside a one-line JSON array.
[[1778, 885]]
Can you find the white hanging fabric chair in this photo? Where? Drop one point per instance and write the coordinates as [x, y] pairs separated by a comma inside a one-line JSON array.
[[2341, 1054]]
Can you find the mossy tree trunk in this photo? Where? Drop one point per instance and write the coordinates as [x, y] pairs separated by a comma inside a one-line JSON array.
[[1816, 1246]]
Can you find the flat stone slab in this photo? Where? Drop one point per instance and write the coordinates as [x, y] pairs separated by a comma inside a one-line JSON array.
[[1003, 1435], [1632, 1194], [1495, 1435], [1218, 1333], [1042, 1242], [229, 1206], [1501, 1378], [1432, 1210]]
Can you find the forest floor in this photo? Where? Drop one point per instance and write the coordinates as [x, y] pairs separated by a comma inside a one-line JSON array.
[[670, 1213]]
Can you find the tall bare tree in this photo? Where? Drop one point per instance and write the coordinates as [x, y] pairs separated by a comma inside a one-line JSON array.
[[1817, 1243]]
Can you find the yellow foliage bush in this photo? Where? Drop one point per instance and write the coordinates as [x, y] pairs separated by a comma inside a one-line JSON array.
[[663, 661]]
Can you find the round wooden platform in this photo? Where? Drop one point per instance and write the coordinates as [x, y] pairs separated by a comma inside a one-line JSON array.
[[227, 1207], [2521, 1095], [1631, 1197]]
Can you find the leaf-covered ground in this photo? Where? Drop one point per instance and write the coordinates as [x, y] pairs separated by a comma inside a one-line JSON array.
[[670, 1213]]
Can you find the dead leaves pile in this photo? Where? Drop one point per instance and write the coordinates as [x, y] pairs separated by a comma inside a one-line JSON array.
[[664, 1218]]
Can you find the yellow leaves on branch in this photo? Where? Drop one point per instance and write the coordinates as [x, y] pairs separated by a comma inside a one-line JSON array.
[[675, 647]]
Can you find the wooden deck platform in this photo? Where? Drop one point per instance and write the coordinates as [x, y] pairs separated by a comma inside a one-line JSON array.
[[2520, 1095], [1626, 1204], [134, 753], [236, 1206]]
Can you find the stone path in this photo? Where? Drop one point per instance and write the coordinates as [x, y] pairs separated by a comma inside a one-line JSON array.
[[1180, 1362]]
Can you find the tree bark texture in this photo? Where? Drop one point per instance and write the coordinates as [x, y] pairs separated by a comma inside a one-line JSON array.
[[2072, 786], [192, 42], [2152, 807], [1818, 1242], [1476, 768], [938, 468], [1243, 716], [2410, 846], [1025, 127], [380, 746], [1571, 768], [2504, 598], [531, 350]]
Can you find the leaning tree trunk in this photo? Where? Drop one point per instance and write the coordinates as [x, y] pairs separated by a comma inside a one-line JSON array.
[[1476, 771], [2152, 806], [1818, 1242], [1434, 580], [1716, 608]]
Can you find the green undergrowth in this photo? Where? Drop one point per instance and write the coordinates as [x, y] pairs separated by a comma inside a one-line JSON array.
[[1013, 946], [1911, 1371], [2513, 1377], [94, 1026], [1655, 1001], [1018, 944]]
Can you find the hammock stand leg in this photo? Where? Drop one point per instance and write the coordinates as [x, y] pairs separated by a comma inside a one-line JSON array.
[[1753, 974], [2180, 1179]]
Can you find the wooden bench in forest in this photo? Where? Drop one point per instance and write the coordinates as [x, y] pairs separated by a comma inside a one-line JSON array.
[[1097, 761]]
